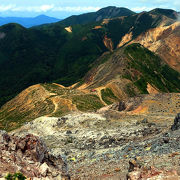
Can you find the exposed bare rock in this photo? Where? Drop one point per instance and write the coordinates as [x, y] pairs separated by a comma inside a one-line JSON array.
[[108, 43], [163, 39], [152, 174], [28, 155], [176, 124], [152, 104], [68, 29], [125, 39], [151, 89], [99, 146]]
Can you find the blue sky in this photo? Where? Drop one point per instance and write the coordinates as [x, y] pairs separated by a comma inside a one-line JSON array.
[[64, 8]]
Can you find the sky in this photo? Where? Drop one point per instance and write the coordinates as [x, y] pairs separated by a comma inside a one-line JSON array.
[[65, 8]]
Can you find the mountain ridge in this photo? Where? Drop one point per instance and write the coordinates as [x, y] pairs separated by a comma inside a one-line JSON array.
[[104, 13], [117, 76], [60, 56], [101, 95]]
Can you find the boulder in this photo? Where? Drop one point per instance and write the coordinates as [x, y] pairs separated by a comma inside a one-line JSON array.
[[176, 124], [122, 106], [30, 156]]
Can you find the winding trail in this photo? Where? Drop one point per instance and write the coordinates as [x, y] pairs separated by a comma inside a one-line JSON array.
[[100, 95], [55, 105]]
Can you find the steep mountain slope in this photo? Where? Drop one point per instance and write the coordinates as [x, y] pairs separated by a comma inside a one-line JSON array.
[[104, 13], [57, 53], [136, 24], [131, 70], [30, 56], [160, 40], [136, 133], [117, 75], [166, 12], [28, 22]]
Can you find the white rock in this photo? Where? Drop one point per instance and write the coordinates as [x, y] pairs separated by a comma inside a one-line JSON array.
[[44, 169]]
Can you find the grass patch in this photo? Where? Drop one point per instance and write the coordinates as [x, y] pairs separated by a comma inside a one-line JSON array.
[[16, 118], [108, 96], [87, 102], [130, 90], [152, 70]]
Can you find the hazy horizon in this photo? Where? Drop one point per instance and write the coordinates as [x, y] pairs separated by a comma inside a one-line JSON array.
[[63, 9]]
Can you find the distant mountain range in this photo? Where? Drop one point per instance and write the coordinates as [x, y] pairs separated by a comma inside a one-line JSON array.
[[28, 21]]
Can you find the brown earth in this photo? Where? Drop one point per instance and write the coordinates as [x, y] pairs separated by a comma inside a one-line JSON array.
[[108, 43], [103, 145], [163, 40], [45, 100]]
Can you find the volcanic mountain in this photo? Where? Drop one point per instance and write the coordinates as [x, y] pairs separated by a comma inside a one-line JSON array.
[[64, 53], [114, 118], [104, 13], [115, 76]]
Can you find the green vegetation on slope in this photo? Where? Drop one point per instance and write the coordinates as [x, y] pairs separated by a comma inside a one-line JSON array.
[[83, 102], [136, 24], [49, 53], [166, 12], [13, 119], [52, 100], [15, 176], [87, 102], [142, 66], [45, 54], [108, 96], [104, 13], [152, 70]]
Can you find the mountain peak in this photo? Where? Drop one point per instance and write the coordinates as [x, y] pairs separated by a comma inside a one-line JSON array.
[[167, 12], [113, 11], [42, 15], [112, 8], [104, 13]]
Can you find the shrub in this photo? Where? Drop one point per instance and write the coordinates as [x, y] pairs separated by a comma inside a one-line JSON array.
[[15, 176]]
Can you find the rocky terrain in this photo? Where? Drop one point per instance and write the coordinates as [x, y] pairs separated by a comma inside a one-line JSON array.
[[29, 155], [116, 142], [120, 120]]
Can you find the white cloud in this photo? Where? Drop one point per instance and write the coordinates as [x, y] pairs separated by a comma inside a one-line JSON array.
[[76, 9], [139, 9], [162, 1], [42, 8], [45, 8], [177, 3], [6, 7]]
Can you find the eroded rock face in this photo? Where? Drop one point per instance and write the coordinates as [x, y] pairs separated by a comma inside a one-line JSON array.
[[138, 171], [176, 124], [152, 173], [159, 40], [28, 155]]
